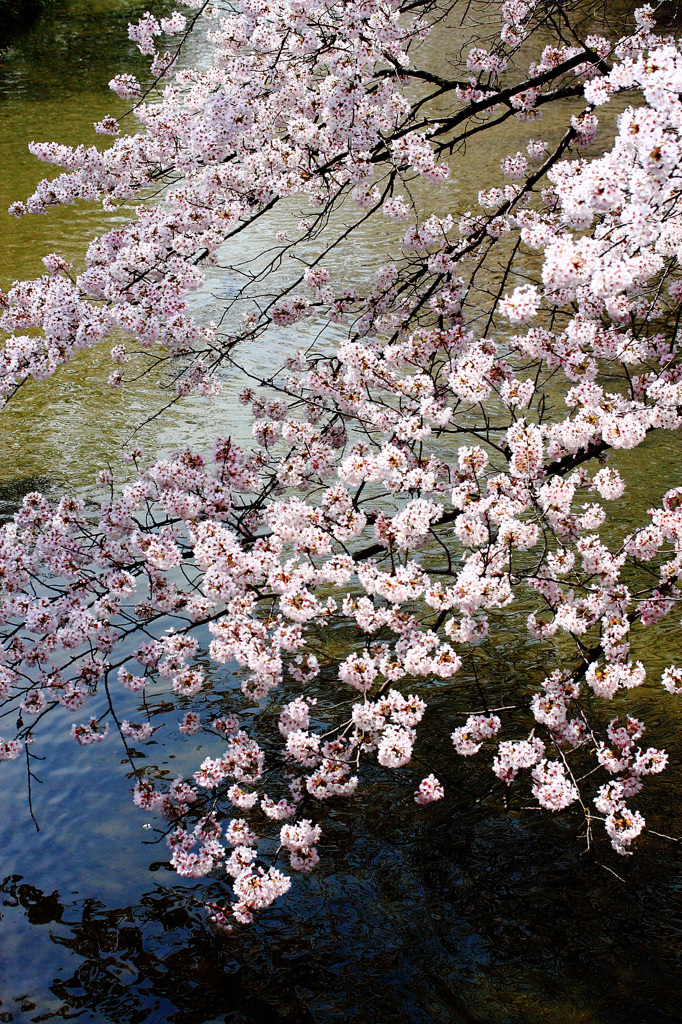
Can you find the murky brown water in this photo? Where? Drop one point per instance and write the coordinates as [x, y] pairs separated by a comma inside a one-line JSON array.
[[464, 912]]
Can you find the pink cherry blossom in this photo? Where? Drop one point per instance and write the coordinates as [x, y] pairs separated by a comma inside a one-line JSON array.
[[430, 478]]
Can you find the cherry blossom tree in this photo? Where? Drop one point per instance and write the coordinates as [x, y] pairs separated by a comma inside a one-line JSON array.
[[429, 466]]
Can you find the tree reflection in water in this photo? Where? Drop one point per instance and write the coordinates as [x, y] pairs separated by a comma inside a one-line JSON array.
[[493, 921]]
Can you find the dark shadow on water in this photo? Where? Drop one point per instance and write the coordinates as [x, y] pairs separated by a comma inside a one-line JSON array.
[[13, 492], [88, 37], [482, 918]]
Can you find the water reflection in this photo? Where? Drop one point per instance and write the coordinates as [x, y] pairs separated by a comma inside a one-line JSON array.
[[494, 921], [12, 493]]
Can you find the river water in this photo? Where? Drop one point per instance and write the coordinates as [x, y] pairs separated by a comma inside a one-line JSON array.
[[462, 912]]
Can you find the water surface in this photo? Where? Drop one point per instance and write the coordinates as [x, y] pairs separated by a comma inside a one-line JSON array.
[[462, 912]]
